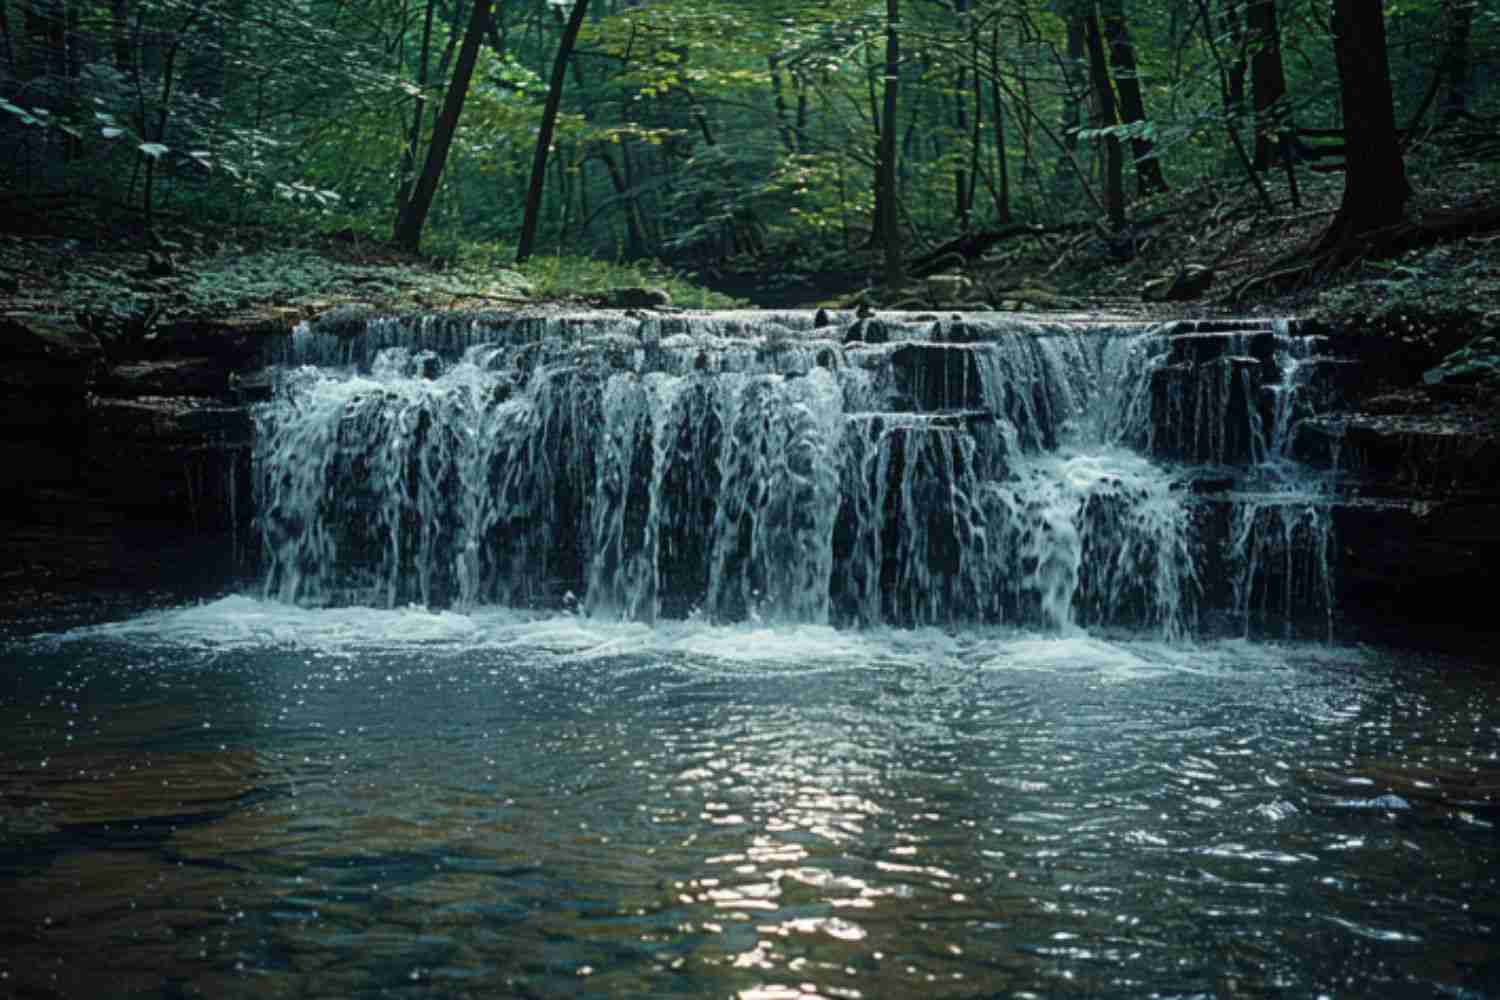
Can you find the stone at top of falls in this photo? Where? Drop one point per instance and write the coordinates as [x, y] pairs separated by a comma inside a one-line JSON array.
[[354, 337], [633, 298]]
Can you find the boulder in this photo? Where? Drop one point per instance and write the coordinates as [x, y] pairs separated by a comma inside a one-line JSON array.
[[633, 298], [38, 337], [946, 289], [1188, 283]]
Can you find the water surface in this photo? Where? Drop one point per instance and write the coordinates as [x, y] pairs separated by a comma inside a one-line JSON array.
[[246, 799]]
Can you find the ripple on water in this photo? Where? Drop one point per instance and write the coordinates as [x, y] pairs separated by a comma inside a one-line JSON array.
[[367, 803]]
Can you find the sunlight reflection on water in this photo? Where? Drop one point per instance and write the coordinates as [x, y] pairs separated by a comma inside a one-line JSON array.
[[256, 800]]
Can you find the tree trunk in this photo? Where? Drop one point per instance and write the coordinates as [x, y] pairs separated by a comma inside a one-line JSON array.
[[1106, 117], [1073, 99], [544, 136], [1002, 197], [408, 233], [778, 98], [1375, 185], [890, 231], [1234, 100], [635, 240], [6, 40], [1458, 16], [119, 34], [1148, 176], [961, 127], [1268, 81], [408, 165]]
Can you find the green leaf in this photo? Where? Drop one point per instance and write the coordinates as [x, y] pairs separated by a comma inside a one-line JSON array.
[[155, 150]]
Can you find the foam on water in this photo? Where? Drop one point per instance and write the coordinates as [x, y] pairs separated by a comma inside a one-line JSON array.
[[753, 468], [249, 624]]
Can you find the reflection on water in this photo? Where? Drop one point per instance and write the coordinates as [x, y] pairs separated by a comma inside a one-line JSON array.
[[243, 799]]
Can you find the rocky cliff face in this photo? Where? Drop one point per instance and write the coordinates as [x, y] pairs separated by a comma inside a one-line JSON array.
[[127, 469]]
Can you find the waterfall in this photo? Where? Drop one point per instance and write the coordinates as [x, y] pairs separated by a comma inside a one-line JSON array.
[[910, 470]]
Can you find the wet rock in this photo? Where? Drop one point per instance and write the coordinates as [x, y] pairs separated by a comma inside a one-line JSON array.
[[937, 377], [38, 337], [867, 331], [633, 298], [1187, 284], [178, 377], [344, 321], [946, 289]]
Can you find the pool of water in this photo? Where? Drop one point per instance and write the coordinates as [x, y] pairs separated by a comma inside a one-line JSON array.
[[245, 799]]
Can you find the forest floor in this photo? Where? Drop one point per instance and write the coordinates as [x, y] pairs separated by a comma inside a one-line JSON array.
[[1445, 296]]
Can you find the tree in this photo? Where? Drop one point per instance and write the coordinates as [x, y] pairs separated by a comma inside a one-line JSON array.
[[1375, 185], [1105, 118], [1268, 82], [544, 134], [1458, 17], [890, 229], [408, 232], [1148, 175]]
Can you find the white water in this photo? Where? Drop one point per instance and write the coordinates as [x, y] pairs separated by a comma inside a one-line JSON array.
[[756, 470]]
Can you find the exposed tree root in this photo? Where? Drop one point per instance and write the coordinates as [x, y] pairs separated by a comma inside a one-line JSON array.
[[1305, 266]]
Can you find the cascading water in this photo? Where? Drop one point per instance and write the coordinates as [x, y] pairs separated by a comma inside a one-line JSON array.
[[906, 470]]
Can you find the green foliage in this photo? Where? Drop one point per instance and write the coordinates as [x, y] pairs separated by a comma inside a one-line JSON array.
[[1477, 362], [697, 132], [568, 276]]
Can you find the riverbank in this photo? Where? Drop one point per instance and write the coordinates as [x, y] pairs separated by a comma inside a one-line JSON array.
[[128, 372]]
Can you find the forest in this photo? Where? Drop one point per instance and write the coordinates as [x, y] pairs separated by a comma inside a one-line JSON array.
[[770, 151]]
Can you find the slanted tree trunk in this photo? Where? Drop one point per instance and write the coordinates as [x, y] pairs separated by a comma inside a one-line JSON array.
[[890, 228], [1105, 116], [1148, 176], [1375, 185], [544, 136], [408, 232]]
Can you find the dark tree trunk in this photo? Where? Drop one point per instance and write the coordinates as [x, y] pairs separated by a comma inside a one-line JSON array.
[[408, 165], [1458, 16], [549, 123], [635, 240], [5, 39], [1268, 80], [1375, 185], [778, 97], [1002, 196], [890, 230], [1105, 117], [1234, 101], [408, 233], [1073, 101], [1148, 176], [961, 127], [119, 34]]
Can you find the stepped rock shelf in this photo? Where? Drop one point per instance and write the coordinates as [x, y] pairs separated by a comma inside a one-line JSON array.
[[1186, 477]]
